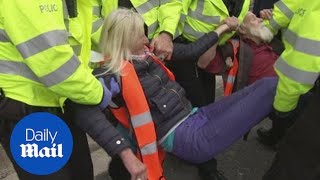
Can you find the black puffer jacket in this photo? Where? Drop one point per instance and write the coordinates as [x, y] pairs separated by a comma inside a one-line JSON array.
[[166, 98]]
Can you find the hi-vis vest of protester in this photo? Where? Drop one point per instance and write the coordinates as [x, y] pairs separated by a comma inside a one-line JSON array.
[[136, 114], [159, 15], [233, 71], [298, 66], [205, 16], [37, 64]]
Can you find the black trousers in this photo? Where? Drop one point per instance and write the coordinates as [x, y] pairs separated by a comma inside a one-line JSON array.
[[79, 165], [299, 154]]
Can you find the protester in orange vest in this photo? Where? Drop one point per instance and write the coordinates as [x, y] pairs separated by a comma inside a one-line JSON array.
[[251, 56], [155, 108]]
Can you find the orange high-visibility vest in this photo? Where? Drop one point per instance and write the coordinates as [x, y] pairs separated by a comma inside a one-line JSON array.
[[232, 72], [137, 110]]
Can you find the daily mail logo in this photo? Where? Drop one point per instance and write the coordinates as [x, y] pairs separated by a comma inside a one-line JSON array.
[[32, 150], [41, 143]]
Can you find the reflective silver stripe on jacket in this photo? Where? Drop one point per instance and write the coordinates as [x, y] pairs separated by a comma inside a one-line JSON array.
[[200, 7], [298, 75], [17, 68], [149, 149], [304, 45], [198, 14], [190, 31], [65, 15], [162, 2], [62, 73], [176, 34], [150, 4], [152, 28], [97, 24], [181, 21], [284, 9], [204, 18], [4, 36], [274, 24], [96, 11], [141, 119], [77, 49], [182, 18], [53, 78], [42, 42], [230, 79], [147, 6]]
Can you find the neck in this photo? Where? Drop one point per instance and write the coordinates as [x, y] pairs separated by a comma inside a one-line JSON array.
[[254, 39]]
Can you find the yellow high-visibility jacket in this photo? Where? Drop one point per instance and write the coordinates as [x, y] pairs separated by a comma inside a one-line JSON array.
[[44, 54], [204, 16], [158, 15], [298, 66]]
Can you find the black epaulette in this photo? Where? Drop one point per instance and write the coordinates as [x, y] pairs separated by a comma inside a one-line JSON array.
[[72, 8]]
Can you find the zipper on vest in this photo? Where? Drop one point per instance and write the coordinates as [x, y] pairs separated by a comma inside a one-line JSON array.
[[155, 75], [184, 106], [196, 70]]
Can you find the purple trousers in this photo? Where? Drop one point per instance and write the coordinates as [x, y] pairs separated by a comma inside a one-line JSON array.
[[213, 128]]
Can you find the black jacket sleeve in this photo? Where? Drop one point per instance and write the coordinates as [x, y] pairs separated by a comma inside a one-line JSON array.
[[195, 49], [91, 120]]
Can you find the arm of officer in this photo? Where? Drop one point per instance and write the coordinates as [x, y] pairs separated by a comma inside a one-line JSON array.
[[168, 17], [282, 13]]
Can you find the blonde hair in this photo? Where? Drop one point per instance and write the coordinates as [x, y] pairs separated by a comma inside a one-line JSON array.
[[120, 30]]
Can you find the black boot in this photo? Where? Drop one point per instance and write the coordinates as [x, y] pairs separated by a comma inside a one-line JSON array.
[[208, 171], [280, 123], [269, 137]]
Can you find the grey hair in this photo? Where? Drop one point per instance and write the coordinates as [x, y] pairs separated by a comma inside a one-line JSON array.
[[261, 32]]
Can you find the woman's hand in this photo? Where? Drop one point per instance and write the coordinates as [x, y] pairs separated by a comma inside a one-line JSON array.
[[135, 167], [232, 22]]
